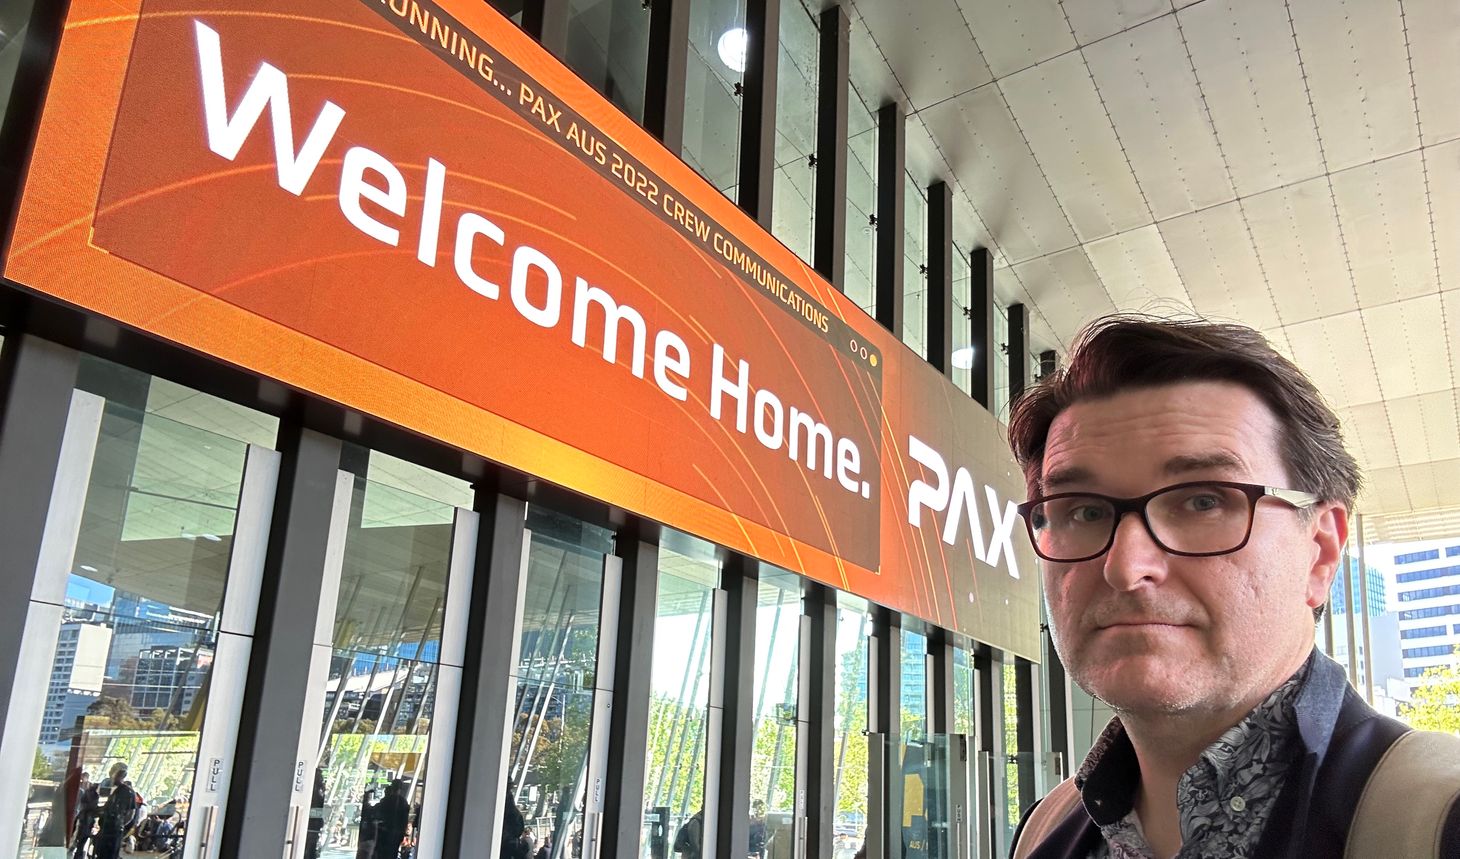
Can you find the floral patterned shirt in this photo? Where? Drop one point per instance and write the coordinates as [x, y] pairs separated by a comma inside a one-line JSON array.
[[1224, 800]]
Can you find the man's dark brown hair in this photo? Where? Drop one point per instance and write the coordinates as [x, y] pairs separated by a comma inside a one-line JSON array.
[[1124, 352]]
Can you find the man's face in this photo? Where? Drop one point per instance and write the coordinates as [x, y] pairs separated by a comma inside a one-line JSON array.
[[1149, 632]]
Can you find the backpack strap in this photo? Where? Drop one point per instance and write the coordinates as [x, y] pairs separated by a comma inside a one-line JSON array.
[[1045, 817], [1408, 799]]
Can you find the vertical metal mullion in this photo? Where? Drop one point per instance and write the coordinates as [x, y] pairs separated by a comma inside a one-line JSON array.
[[891, 214], [37, 378], [941, 652], [1057, 683], [633, 681], [473, 807], [991, 747], [741, 579], [820, 672], [940, 277], [303, 534], [981, 326], [1018, 351], [668, 62], [887, 627], [547, 22], [758, 110], [1026, 729], [832, 90], [1364, 606], [1349, 629]]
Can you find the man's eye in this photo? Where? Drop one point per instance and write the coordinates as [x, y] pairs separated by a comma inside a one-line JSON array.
[[1201, 503], [1087, 513]]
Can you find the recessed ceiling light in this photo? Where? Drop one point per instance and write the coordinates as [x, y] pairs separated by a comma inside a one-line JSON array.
[[88, 568], [212, 537], [734, 47]]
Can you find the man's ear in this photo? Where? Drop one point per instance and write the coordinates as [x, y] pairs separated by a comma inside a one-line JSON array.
[[1329, 529]]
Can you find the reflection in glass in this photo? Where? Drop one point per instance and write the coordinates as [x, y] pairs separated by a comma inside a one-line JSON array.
[[861, 263], [555, 676], [715, 73], [1011, 750], [608, 46], [853, 630], [1000, 358], [139, 627], [679, 697], [773, 760], [915, 267], [381, 692], [914, 752], [793, 209], [962, 327], [963, 692]]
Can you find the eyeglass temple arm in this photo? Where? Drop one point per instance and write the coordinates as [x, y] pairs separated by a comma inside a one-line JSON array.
[[1295, 497]]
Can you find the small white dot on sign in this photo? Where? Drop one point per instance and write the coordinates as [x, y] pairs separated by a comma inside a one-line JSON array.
[[970, 596], [1237, 803], [866, 489]]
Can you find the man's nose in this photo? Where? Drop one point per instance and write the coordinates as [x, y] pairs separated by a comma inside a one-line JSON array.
[[1134, 558]]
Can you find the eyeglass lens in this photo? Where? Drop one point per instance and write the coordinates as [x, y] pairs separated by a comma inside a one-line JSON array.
[[1199, 519]]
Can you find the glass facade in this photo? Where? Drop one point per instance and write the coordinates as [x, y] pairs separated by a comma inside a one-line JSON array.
[[718, 41], [776, 704], [861, 262], [794, 198], [608, 46], [854, 628], [914, 752], [915, 267], [555, 680], [380, 698], [679, 700], [962, 316], [136, 638]]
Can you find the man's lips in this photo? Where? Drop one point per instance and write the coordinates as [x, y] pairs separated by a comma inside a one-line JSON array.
[[1136, 624]]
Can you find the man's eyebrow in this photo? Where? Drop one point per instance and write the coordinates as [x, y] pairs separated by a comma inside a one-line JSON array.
[[1204, 462], [1064, 477]]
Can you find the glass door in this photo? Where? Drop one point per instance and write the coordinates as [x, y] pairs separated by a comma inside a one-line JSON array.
[[140, 625], [386, 678], [776, 805]]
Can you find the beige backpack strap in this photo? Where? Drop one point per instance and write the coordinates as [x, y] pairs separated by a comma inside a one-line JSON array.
[[1410, 794], [1050, 812]]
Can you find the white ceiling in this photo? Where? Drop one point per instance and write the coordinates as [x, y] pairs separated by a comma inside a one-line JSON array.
[[1294, 166]]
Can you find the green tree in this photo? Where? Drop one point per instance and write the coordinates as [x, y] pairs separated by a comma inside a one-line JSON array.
[[41, 768], [1436, 704]]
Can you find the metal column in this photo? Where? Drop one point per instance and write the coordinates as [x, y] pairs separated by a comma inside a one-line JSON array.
[[940, 277], [758, 110], [269, 777], [832, 90], [1018, 351], [891, 215], [886, 725], [667, 63], [981, 326], [478, 792], [1368, 689], [741, 578], [629, 725]]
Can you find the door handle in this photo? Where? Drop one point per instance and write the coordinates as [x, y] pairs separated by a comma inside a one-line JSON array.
[[210, 817]]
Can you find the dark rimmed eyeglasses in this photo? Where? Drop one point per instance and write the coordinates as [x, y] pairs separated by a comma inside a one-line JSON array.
[[1195, 520]]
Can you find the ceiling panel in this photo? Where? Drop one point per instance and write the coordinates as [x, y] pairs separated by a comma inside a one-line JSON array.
[[1442, 165], [1244, 58], [1335, 355], [1138, 273], [1420, 480], [1016, 34], [1096, 19], [932, 52], [1447, 481], [1156, 106], [1367, 432], [1384, 491], [1059, 110], [983, 146], [1425, 427], [1010, 290], [1434, 43], [1358, 74], [1297, 237], [1385, 218], [1450, 321], [1214, 255], [1065, 286], [872, 77], [1405, 332]]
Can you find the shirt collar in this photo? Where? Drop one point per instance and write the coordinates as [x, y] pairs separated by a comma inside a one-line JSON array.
[[1108, 778]]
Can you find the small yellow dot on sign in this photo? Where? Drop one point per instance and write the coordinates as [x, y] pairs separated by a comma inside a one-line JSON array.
[[873, 359]]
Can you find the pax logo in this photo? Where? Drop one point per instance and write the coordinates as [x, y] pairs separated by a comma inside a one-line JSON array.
[[959, 501]]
